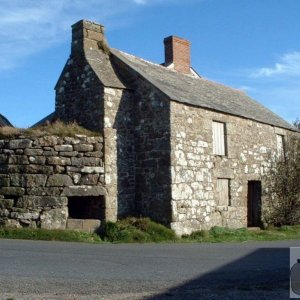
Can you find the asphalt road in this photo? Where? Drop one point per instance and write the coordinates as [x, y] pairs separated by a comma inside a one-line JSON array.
[[57, 270]]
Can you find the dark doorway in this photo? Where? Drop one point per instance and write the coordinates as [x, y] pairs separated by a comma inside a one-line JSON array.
[[86, 207], [254, 203]]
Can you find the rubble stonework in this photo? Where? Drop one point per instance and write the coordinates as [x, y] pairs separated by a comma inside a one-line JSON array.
[[38, 175], [195, 169], [119, 151]]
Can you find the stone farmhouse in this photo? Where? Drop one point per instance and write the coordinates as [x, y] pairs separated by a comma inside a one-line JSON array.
[[183, 150]]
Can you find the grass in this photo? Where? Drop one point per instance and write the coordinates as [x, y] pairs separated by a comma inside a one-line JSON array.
[[128, 230], [221, 234], [57, 128], [132, 230], [143, 230], [48, 235]]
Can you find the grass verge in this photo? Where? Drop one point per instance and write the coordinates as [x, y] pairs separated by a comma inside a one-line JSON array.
[[48, 235], [143, 230], [221, 234]]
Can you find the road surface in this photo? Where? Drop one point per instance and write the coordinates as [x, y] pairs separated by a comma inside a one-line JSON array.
[[59, 270]]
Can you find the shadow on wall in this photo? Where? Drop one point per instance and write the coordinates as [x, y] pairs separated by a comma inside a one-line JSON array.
[[124, 125], [263, 274], [143, 148]]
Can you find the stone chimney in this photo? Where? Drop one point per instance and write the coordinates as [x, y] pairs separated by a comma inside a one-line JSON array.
[[87, 35], [177, 54]]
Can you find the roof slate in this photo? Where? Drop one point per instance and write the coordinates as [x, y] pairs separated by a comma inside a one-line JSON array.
[[201, 92], [101, 65], [4, 121]]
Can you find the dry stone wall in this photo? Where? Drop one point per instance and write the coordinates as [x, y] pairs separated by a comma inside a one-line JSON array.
[[38, 175]]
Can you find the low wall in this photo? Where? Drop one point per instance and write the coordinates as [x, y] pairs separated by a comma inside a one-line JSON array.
[[39, 176]]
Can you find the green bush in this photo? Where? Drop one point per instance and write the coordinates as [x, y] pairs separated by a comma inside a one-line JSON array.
[[132, 230], [282, 188]]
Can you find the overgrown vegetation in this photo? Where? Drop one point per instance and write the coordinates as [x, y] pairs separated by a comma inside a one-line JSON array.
[[48, 235], [282, 186], [132, 229], [57, 128], [143, 230], [128, 230]]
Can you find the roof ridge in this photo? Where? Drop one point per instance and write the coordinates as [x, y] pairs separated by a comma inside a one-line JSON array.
[[155, 64], [176, 72]]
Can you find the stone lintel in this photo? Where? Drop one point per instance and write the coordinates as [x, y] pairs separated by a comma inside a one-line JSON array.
[[83, 190]]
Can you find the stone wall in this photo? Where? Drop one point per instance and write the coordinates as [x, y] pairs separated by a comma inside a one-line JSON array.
[[119, 143], [39, 175], [153, 148], [79, 95], [158, 153], [150, 140], [195, 169]]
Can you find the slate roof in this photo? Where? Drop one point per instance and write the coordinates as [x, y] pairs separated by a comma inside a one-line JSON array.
[[4, 121], [201, 92], [48, 119], [102, 67]]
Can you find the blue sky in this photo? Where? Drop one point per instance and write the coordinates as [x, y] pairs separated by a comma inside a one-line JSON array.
[[252, 45]]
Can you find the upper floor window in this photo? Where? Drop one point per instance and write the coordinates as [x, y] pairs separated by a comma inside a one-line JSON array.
[[280, 145], [219, 141]]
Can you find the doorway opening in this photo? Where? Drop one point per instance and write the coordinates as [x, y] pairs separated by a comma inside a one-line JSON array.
[[254, 204]]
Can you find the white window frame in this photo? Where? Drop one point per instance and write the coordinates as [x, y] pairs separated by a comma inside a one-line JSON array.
[[219, 138]]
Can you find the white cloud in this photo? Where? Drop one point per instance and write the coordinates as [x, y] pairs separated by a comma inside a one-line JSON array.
[[277, 87], [288, 65], [30, 26]]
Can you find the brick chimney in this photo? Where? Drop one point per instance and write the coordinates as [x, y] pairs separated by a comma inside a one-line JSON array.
[[87, 35], [177, 54]]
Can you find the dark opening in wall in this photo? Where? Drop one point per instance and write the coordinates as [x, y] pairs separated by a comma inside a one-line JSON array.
[[254, 204], [86, 207]]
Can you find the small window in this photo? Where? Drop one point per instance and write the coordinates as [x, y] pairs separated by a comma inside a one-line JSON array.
[[223, 192], [219, 142], [280, 145]]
